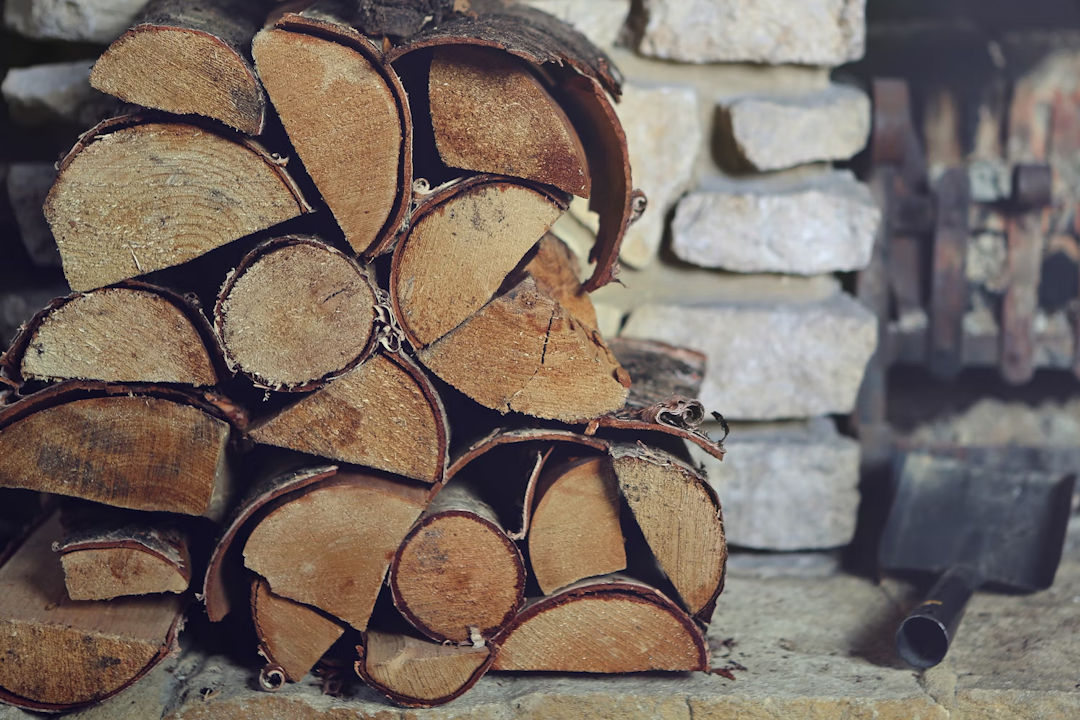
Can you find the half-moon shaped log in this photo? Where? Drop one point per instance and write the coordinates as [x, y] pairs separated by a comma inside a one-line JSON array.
[[491, 113], [130, 333], [348, 118], [292, 636], [419, 673], [137, 195], [295, 313], [57, 654], [189, 58], [602, 627]]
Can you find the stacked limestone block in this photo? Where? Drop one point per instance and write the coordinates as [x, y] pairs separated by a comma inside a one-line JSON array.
[[734, 124]]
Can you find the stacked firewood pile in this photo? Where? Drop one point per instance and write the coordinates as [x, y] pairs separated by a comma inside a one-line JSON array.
[[326, 364]]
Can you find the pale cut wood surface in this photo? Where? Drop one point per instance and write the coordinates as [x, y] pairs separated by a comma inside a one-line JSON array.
[[525, 352], [291, 635], [55, 652], [459, 252], [138, 452], [680, 518], [419, 673], [119, 335], [331, 546], [575, 531], [491, 114], [457, 576], [347, 123], [377, 414], [602, 627], [556, 270], [189, 57], [295, 311], [153, 195], [105, 573]]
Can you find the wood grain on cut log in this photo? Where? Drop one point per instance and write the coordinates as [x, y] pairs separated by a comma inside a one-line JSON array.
[[463, 242], [607, 626], [56, 654], [457, 577], [131, 333], [384, 414], [189, 57], [348, 118], [575, 531], [330, 545], [419, 673], [555, 268], [525, 352], [292, 637], [492, 114], [126, 446], [295, 313], [115, 554], [679, 514], [137, 195]]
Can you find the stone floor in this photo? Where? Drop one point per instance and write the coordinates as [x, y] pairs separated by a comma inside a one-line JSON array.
[[813, 648]]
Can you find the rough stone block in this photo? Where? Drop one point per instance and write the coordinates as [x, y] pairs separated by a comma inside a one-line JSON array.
[[54, 93], [823, 226], [27, 186], [770, 361], [664, 135], [787, 487], [599, 20], [98, 21], [808, 32], [773, 133]]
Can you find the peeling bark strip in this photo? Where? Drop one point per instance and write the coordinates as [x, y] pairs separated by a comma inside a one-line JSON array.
[[348, 118], [330, 545], [190, 57], [129, 446], [575, 531], [679, 515], [292, 636], [490, 113], [295, 313], [457, 576], [99, 647], [133, 332], [110, 554], [611, 625], [143, 193], [359, 418], [419, 673], [260, 496]]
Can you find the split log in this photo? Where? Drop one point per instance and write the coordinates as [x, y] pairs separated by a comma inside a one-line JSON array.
[[295, 313], [658, 371], [135, 447], [556, 270], [189, 57], [525, 352], [463, 242], [292, 637], [419, 673], [330, 545], [457, 577], [575, 531], [348, 118], [130, 333], [679, 515], [610, 626], [56, 654], [110, 554], [491, 114], [138, 194], [384, 414]]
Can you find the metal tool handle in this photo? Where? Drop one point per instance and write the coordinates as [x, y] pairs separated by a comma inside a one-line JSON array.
[[923, 638]]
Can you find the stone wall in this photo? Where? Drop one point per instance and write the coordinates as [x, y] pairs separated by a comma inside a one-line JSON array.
[[734, 122]]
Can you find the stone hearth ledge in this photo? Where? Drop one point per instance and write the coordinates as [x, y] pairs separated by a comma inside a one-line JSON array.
[[811, 648]]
